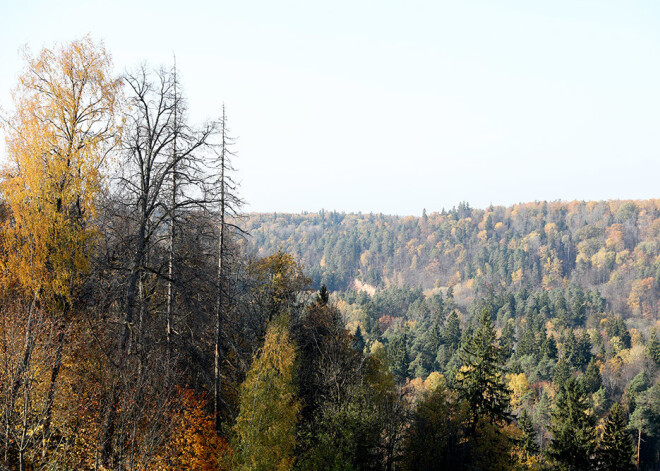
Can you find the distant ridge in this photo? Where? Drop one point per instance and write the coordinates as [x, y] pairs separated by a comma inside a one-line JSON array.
[[612, 246]]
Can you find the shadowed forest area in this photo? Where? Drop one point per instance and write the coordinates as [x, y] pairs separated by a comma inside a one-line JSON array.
[[146, 323]]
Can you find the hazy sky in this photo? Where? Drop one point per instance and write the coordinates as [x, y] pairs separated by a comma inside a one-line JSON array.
[[391, 106]]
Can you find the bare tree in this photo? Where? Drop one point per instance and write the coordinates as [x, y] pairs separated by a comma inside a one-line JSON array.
[[161, 153], [229, 204]]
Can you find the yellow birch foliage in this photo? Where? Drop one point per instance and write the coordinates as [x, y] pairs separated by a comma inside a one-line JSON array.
[[64, 125], [265, 430], [519, 387]]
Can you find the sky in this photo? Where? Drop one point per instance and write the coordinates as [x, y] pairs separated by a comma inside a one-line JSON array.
[[391, 106]]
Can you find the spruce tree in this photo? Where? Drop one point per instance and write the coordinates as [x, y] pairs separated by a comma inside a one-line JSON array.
[[591, 379], [616, 449], [358, 342], [573, 430], [549, 347], [508, 339], [527, 434], [399, 356], [481, 379], [452, 333], [653, 348], [561, 374], [581, 352]]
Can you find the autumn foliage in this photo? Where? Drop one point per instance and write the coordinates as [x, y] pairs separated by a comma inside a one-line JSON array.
[[193, 442], [137, 333]]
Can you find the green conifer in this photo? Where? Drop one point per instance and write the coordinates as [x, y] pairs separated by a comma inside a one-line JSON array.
[[358, 340], [573, 430], [561, 374], [591, 380], [616, 449], [481, 379], [528, 434], [653, 348]]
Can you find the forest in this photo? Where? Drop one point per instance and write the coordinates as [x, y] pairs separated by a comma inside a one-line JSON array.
[[147, 323]]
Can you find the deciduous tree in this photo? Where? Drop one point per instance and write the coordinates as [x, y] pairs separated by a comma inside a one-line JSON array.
[[265, 430]]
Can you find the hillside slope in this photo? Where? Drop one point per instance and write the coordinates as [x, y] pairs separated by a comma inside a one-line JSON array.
[[612, 246]]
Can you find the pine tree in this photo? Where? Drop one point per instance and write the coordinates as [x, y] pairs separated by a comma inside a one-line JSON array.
[[481, 379], [616, 449], [573, 430]]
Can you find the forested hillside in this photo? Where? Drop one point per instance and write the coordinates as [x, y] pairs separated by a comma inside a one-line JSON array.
[[571, 289], [611, 246]]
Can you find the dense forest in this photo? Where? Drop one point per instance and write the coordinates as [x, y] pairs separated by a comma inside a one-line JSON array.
[[570, 289], [146, 323]]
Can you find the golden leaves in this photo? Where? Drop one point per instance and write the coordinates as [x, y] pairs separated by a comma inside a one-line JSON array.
[[64, 125]]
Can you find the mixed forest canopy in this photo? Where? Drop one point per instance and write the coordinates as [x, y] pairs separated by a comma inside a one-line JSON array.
[[146, 323], [571, 287]]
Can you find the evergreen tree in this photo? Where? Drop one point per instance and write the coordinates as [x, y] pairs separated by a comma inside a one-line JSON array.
[[324, 296], [573, 430], [527, 344], [653, 348], [481, 378], [582, 352], [561, 374], [527, 434], [399, 357], [568, 344], [616, 327], [452, 333], [434, 439], [358, 342], [591, 381], [507, 339], [616, 449], [549, 347]]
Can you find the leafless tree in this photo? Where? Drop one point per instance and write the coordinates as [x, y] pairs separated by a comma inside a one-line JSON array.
[[163, 175]]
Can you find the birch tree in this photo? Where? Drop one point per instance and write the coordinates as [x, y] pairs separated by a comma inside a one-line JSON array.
[[65, 124]]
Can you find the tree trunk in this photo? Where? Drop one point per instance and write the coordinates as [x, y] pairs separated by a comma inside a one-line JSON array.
[[639, 446], [170, 262], [54, 373], [123, 349], [22, 367], [218, 315]]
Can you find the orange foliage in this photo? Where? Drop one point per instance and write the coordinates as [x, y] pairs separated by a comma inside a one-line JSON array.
[[193, 443]]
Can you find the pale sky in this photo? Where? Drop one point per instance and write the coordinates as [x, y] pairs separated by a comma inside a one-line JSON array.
[[395, 106]]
